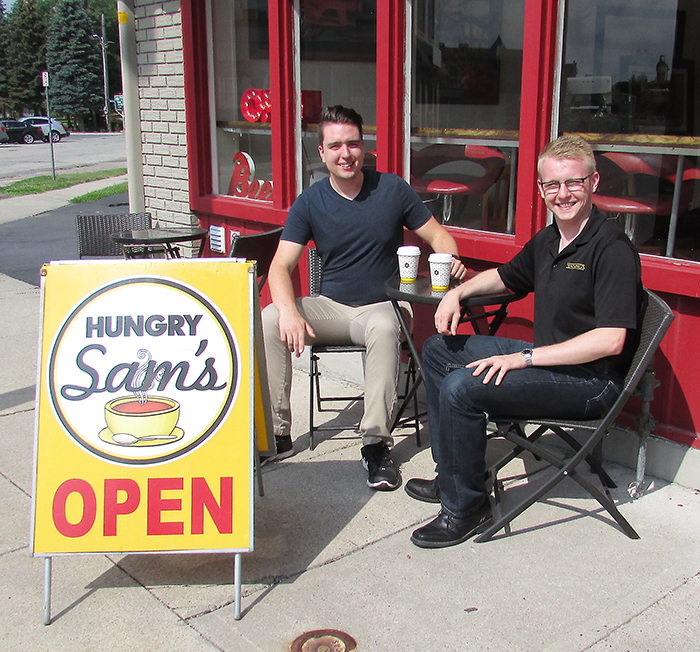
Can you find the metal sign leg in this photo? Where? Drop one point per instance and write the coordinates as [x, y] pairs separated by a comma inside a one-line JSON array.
[[47, 591], [237, 586]]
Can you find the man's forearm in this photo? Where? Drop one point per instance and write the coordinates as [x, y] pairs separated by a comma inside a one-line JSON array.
[[281, 288], [487, 282], [587, 347]]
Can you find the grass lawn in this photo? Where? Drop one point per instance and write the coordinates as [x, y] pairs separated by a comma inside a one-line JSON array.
[[45, 182]]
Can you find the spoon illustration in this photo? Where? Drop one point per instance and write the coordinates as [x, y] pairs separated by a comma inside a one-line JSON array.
[[126, 439]]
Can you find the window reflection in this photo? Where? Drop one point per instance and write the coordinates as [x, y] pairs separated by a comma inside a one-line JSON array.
[[625, 70], [338, 63], [241, 147], [628, 85], [467, 61]]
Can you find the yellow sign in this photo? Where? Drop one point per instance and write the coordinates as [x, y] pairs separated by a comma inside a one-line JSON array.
[[145, 436]]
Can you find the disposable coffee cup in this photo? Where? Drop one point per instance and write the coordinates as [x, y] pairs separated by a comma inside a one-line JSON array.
[[440, 265], [408, 263]]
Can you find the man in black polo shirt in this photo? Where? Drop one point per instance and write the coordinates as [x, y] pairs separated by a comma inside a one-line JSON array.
[[586, 276]]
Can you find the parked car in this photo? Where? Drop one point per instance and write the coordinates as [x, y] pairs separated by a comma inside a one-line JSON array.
[[21, 132], [4, 138], [58, 131]]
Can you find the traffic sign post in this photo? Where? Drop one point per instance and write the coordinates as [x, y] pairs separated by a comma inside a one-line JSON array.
[[45, 84]]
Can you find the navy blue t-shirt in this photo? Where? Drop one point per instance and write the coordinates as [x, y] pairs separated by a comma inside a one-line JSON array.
[[357, 239]]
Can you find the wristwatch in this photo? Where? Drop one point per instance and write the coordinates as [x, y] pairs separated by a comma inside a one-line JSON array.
[[527, 354]]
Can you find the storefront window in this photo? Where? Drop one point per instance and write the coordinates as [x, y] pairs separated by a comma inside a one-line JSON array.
[[628, 79], [465, 109], [241, 147], [338, 63]]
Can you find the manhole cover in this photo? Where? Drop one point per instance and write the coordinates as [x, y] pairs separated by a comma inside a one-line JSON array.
[[324, 640]]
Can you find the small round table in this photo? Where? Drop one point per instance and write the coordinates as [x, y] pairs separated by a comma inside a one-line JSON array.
[[154, 239], [422, 292]]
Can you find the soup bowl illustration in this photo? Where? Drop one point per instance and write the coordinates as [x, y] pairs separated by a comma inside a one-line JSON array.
[[154, 418]]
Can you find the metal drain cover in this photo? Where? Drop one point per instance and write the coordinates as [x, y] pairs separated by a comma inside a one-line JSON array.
[[324, 640]]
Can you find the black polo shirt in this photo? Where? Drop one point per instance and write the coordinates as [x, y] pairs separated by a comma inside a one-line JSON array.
[[595, 282]]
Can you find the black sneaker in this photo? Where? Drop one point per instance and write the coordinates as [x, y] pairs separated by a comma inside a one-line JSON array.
[[383, 474], [284, 448]]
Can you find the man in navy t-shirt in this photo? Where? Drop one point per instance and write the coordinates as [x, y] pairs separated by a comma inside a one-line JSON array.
[[356, 219]]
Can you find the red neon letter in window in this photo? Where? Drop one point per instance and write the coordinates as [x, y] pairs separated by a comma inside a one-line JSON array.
[[157, 505], [114, 508], [87, 520], [221, 512]]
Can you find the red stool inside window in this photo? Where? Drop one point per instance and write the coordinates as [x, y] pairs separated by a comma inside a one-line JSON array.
[[427, 178], [642, 184]]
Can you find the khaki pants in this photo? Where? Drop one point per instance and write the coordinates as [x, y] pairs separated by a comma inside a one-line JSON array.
[[374, 326]]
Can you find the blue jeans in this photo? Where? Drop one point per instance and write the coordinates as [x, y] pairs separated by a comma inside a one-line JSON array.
[[458, 404]]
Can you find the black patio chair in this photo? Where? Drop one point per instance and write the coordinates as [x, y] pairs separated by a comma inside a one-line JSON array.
[[657, 319], [259, 247], [94, 231]]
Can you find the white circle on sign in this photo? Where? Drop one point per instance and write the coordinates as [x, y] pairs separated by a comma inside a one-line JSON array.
[[152, 356]]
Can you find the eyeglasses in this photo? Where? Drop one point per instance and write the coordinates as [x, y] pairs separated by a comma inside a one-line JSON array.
[[553, 187]]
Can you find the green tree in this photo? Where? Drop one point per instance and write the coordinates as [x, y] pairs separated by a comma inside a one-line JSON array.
[[74, 62], [26, 57]]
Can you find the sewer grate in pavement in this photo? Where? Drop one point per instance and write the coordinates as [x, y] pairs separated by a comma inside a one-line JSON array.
[[324, 640]]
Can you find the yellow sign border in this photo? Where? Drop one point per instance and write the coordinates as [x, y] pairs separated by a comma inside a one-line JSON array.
[[181, 507]]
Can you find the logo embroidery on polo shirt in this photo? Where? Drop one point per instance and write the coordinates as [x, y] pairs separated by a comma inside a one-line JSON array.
[[581, 267]]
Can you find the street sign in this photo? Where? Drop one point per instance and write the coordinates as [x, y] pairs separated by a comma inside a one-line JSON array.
[[45, 79]]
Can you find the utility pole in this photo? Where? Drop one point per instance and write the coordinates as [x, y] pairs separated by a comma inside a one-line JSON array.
[[130, 89], [105, 72]]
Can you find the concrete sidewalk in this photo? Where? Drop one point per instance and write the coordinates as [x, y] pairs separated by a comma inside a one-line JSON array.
[[332, 554]]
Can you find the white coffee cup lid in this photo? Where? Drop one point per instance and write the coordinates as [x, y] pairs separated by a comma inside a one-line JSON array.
[[409, 250], [440, 258]]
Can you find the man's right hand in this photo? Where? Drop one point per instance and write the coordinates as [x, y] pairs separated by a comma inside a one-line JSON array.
[[448, 313], [293, 331]]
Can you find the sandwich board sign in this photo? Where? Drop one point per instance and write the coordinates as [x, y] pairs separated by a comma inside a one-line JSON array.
[[146, 408]]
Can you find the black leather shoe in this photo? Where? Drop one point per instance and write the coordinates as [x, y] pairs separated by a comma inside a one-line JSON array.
[[446, 530], [426, 490]]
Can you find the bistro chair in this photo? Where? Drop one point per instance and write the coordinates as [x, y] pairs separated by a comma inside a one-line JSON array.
[[316, 398], [657, 319], [94, 231], [260, 247]]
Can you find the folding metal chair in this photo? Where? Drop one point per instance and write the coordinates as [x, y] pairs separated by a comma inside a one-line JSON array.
[[94, 231], [316, 399], [657, 319], [260, 247]]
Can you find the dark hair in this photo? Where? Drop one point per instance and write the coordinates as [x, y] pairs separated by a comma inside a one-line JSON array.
[[338, 115]]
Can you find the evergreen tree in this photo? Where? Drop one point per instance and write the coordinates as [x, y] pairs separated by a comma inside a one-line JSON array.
[[74, 61], [26, 57]]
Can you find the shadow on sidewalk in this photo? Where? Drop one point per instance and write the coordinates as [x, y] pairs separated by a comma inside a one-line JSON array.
[[26, 244]]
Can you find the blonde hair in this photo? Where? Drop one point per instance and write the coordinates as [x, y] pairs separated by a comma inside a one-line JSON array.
[[569, 146]]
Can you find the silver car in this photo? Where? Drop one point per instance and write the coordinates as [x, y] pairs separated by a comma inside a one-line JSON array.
[[58, 131]]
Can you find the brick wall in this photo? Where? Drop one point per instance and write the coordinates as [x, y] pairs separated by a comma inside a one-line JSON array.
[[162, 103]]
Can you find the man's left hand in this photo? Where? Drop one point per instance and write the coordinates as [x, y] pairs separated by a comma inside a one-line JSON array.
[[458, 270], [497, 365]]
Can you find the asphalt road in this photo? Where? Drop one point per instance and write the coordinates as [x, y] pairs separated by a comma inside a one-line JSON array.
[[25, 245], [78, 151]]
